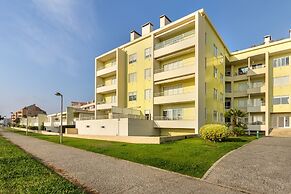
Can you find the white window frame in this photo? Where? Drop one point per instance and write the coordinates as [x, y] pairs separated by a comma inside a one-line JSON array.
[[132, 96], [147, 74], [215, 114], [215, 72], [132, 77], [281, 81], [147, 94], [215, 94], [280, 98], [215, 50], [147, 53], [281, 61], [132, 58]]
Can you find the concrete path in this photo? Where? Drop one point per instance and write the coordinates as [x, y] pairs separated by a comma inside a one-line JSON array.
[[105, 174], [262, 166]]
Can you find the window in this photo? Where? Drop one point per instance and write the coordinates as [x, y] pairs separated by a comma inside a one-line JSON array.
[[215, 72], [147, 74], [280, 81], [243, 70], [215, 116], [221, 97], [173, 65], [221, 117], [132, 96], [215, 50], [221, 78], [132, 77], [173, 114], [215, 94], [280, 62], [132, 58], [147, 94], [147, 114], [147, 53], [281, 100], [172, 90], [113, 99]]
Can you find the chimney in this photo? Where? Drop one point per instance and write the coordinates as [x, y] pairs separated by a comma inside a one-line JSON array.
[[290, 33], [164, 20], [134, 35], [146, 28], [267, 39]]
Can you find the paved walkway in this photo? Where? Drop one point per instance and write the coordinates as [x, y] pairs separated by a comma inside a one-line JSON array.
[[262, 166], [109, 175]]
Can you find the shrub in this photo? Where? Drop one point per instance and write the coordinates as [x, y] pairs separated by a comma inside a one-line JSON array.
[[237, 131], [214, 132], [33, 127]]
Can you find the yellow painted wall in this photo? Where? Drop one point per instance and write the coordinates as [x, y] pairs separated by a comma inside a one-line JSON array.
[[139, 66]]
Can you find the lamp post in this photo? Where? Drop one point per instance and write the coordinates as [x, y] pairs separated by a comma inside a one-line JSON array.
[[61, 129]]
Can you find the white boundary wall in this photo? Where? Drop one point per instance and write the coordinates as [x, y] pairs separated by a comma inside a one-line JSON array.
[[117, 127]]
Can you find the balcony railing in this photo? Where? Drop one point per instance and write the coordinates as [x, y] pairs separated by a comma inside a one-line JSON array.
[[101, 85], [104, 67], [256, 85], [258, 104], [257, 66], [174, 40], [257, 123], [167, 118], [171, 93], [178, 66]]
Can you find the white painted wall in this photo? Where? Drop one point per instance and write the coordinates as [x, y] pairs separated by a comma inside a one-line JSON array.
[[116, 127]]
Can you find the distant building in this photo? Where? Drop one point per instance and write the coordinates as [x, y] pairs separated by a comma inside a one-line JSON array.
[[28, 111]]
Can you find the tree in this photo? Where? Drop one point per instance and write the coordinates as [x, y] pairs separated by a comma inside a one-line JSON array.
[[1, 118], [235, 116]]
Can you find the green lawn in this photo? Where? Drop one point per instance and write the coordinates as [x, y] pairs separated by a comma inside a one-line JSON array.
[[190, 156], [19, 173]]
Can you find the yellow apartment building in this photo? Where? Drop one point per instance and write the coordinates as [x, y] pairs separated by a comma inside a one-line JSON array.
[[181, 76]]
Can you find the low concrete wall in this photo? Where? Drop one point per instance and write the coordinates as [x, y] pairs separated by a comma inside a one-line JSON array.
[[71, 131], [138, 127], [111, 127], [117, 127]]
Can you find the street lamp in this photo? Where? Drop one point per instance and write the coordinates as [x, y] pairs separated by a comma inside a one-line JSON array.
[[61, 129]]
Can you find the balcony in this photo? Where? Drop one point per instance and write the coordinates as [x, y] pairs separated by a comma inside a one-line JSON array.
[[258, 69], [175, 44], [165, 98], [185, 69], [240, 93], [105, 105], [256, 89], [104, 89], [107, 71], [180, 123], [260, 107], [257, 126]]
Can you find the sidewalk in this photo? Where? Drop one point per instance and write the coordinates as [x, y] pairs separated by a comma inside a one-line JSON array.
[[262, 166], [105, 174]]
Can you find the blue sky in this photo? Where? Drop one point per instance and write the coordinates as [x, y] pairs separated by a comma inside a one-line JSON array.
[[50, 45]]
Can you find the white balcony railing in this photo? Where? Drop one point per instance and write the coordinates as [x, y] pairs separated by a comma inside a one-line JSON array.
[[112, 64], [176, 65], [174, 40]]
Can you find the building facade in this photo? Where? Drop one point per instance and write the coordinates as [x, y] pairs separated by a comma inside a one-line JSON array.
[[182, 76], [28, 111]]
